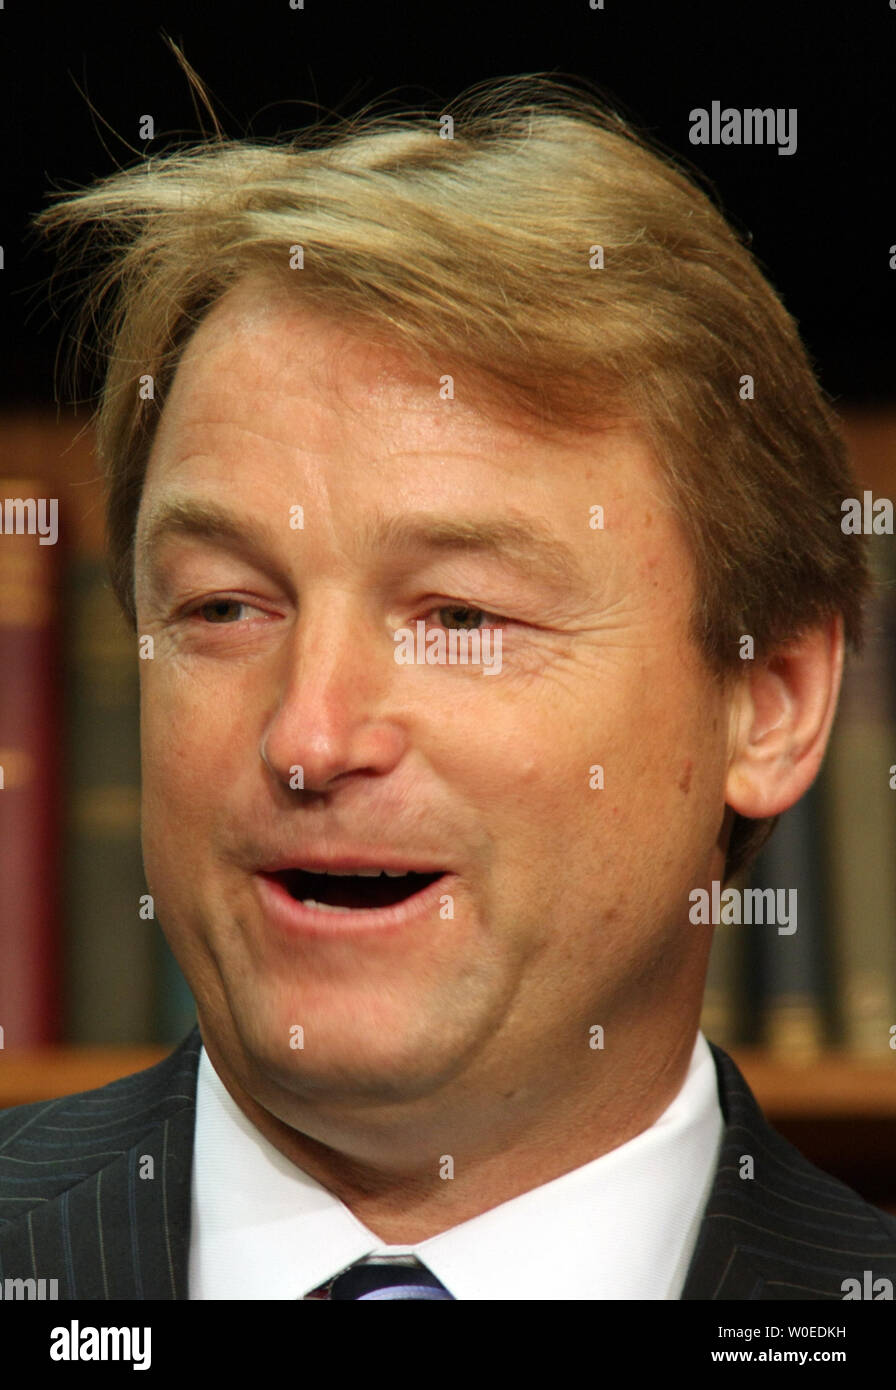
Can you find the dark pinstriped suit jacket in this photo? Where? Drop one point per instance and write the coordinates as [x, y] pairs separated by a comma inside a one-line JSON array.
[[74, 1206]]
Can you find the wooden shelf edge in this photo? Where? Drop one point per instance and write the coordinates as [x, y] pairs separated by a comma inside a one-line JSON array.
[[833, 1085], [45, 1073]]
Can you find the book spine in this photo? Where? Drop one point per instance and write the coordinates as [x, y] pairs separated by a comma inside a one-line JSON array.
[[30, 773], [726, 1013], [111, 958], [176, 1007], [860, 810], [792, 968]]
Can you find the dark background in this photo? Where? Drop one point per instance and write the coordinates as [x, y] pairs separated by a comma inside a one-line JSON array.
[[821, 220]]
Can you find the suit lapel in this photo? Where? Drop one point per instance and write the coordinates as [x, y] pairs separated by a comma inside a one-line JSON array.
[[121, 1229], [720, 1268], [776, 1227]]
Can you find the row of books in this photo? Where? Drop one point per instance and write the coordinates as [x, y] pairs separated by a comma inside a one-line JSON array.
[[78, 963], [81, 964]]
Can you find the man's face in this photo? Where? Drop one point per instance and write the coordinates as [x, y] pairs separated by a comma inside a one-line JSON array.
[[562, 904]]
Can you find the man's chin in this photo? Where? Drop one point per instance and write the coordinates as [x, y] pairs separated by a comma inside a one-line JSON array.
[[332, 1063]]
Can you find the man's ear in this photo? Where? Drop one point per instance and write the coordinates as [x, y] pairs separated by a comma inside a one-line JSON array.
[[780, 717]]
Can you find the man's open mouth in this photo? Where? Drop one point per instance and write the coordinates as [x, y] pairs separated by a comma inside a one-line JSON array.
[[352, 892]]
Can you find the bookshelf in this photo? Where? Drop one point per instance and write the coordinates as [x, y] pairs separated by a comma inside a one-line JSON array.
[[44, 1073], [833, 1086]]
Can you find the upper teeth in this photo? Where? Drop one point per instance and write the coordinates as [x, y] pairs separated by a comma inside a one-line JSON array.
[[365, 873]]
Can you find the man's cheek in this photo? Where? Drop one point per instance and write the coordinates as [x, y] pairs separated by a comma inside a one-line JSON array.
[[181, 787], [179, 713]]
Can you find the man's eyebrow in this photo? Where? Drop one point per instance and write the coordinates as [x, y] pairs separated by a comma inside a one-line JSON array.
[[204, 521], [528, 544]]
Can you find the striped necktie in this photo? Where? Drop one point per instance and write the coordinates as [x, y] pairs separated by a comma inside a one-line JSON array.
[[383, 1277]]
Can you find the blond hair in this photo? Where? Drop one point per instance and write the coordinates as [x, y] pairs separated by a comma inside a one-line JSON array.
[[547, 250]]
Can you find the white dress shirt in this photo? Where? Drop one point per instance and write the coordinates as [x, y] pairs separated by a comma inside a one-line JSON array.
[[622, 1226]]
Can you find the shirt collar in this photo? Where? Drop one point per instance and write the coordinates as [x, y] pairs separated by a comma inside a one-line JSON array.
[[622, 1226]]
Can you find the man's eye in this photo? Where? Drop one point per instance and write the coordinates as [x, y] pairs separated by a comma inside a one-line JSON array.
[[462, 616], [219, 610]]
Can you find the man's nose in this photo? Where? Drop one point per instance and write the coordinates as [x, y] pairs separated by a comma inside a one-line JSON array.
[[338, 702]]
